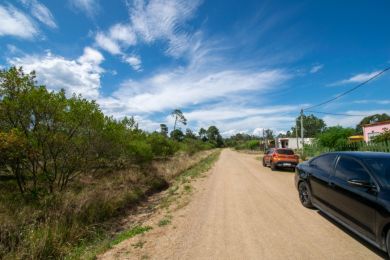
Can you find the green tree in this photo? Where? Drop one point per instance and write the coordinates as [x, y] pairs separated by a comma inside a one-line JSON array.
[[312, 126], [383, 137], [203, 134], [189, 134], [335, 137], [269, 134], [371, 119], [164, 130], [177, 135], [179, 117], [214, 136], [57, 132]]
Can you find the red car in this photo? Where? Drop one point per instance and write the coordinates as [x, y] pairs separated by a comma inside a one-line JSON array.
[[280, 158]]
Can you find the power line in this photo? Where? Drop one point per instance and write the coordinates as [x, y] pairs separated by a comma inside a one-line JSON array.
[[350, 90], [335, 114]]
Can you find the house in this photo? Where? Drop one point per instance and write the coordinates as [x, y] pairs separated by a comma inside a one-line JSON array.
[[286, 142], [374, 129]]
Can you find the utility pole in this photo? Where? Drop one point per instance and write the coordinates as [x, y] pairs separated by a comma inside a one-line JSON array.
[[296, 133], [302, 140]]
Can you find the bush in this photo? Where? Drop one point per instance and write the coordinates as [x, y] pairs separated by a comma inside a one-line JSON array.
[[162, 146], [335, 137]]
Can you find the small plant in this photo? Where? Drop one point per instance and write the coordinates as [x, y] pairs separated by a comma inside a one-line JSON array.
[[187, 188], [139, 244], [130, 233], [165, 221]]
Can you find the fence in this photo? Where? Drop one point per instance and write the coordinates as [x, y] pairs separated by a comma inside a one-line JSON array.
[[316, 149]]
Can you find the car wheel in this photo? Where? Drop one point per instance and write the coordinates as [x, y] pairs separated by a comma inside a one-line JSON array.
[[264, 165], [273, 166], [388, 243], [304, 195]]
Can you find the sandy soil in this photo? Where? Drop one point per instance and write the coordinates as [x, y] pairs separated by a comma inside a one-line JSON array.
[[244, 211]]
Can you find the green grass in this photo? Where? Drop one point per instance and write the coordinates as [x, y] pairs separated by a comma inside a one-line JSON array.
[[201, 167], [129, 234], [90, 249], [165, 221]]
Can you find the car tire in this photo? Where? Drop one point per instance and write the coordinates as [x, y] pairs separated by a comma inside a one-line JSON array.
[[388, 243], [264, 164], [273, 166], [304, 195]]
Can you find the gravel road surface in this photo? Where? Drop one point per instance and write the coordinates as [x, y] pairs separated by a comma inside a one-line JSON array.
[[245, 211]]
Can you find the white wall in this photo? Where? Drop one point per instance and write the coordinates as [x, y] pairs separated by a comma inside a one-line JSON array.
[[292, 142]]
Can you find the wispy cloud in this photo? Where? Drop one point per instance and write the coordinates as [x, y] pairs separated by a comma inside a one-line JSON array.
[[351, 121], [151, 21], [316, 68], [372, 101], [180, 88], [358, 78], [14, 22], [81, 76], [40, 12], [89, 7], [134, 61]]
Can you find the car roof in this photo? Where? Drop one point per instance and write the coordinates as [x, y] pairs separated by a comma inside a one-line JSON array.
[[364, 155]]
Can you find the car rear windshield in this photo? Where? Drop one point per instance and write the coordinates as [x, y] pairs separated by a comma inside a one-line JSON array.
[[381, 169], [285, 151]]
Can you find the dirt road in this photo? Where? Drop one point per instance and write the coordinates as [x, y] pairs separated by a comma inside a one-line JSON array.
[[244, 211]]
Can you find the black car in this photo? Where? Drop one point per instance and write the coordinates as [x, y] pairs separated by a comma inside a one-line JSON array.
[[353, 188]]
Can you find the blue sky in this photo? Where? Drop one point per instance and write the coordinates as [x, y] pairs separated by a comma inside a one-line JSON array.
[[242, 66]]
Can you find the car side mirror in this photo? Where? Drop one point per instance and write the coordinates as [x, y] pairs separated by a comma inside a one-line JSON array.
[[361, 184]]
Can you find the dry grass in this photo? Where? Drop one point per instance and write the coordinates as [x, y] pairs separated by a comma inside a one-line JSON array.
[[55, 226]]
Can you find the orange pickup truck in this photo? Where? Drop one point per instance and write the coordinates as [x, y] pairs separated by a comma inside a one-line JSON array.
[[280, 158]]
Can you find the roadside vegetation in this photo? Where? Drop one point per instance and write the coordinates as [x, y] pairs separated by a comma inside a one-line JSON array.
[[328, 139], [67, 170]]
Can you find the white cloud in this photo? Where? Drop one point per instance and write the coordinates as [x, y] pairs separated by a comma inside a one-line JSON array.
[[236, 118], [89, 7], [372, 101], [40, 12], [183, 88], [134, 61], [16, 23], [234, 111], [316, 68], [151, 21], [81, 76], [107, 43], [351, 121], [123, 33], [359, 78], [91, 56], [163, 20]]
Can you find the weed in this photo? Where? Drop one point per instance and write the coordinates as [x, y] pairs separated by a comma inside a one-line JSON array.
[[165, 221], [129, 234], [139, 244], [188, 188]]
